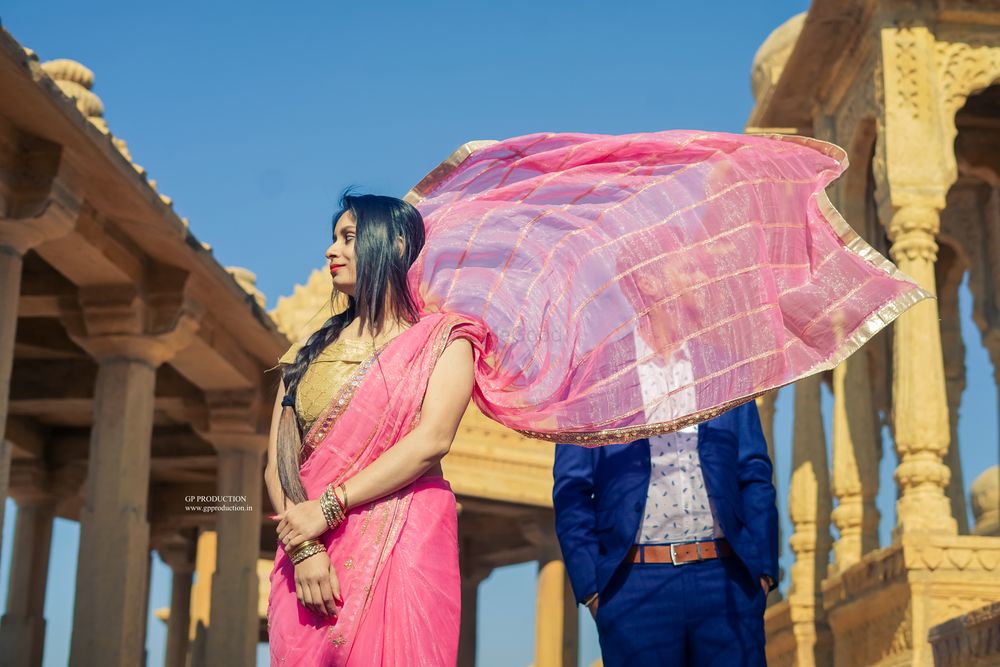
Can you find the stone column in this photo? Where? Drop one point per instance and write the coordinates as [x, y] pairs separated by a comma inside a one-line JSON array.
[[234, 625], [856, 453], [114, 533], [112, 570], [201, 590], [911, 180], [809, 504], [179, 554], [920, 407], [471, 578], [556, 613], [22, 629], [953, 357]]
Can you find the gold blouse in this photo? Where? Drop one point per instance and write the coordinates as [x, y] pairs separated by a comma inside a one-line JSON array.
[[326, 375]]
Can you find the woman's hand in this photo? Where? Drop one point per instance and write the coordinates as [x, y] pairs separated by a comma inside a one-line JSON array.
[[300, 523], [317, 586]]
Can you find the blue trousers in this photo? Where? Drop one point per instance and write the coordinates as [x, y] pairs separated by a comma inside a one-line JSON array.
[[704, 614]]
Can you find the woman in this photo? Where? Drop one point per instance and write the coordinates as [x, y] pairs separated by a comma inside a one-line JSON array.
[[520, 297], [385, 588]]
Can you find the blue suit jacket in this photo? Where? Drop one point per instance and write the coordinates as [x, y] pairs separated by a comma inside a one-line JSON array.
[[600, 493]]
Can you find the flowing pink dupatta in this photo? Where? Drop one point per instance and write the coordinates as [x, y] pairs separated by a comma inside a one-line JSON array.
[[387, 586], [568, 246], [551, 253]]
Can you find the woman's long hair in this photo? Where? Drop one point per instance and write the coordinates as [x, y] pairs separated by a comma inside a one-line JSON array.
[[380, 272]]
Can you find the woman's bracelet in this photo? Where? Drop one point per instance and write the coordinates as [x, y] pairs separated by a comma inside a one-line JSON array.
[[343, 490], [305, 550], [333, 510]]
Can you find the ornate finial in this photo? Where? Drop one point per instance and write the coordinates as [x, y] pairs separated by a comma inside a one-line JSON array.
[[247, 279], [76, 82]]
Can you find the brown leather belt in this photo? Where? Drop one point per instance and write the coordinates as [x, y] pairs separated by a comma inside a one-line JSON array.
[[680, 554]]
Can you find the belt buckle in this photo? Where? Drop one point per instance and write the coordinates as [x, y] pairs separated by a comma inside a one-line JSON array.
[[673, 555]]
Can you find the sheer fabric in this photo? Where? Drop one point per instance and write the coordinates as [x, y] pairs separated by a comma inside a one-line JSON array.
[[567, 246]]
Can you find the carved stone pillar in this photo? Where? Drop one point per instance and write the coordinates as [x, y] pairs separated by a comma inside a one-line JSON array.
[[920, 407], [556, 619], [953, 356], [882, 608], [856, 453], [22, 628], [201, 594], [112, 569], [809, 504], [471, 578], [556, 613], [179, 554], [911, 179], [114, 533], [240, 448]]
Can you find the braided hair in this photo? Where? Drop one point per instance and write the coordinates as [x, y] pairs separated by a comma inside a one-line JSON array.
[[381, 272]]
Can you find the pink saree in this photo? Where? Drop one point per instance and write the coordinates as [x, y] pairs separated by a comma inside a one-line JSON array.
[[552, 253], [396, 558]]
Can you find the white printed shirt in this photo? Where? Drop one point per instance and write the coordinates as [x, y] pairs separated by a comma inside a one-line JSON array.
[[678, 508]]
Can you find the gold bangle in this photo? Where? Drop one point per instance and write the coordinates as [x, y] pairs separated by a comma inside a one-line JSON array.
[[333, 512], [327, 507], [343, 488], [307, 543], [302, 554]]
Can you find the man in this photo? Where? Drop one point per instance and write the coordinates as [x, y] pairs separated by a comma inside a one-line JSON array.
[[672, 541]]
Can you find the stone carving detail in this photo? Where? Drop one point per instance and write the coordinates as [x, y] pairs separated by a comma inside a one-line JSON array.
[[928, 58], [964, 68], [908, 70]]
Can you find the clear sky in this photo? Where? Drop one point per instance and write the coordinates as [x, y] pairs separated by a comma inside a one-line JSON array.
[[253, 116]]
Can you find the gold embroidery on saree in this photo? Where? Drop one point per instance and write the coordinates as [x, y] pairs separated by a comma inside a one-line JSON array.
[[336, 639]]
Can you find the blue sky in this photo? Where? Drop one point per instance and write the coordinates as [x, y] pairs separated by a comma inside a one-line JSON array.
[[253, 117]]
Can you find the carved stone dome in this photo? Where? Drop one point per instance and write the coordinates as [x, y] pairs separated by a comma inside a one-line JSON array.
[[772, 55]]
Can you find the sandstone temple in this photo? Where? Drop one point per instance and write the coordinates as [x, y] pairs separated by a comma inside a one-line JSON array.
[[135, 374]]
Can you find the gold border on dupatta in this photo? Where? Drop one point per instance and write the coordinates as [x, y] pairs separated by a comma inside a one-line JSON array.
[[445, 169]]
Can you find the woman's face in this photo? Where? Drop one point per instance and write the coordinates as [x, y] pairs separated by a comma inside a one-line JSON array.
[[340, 254]]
